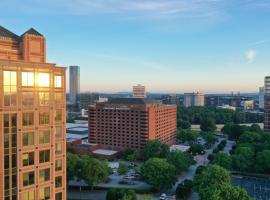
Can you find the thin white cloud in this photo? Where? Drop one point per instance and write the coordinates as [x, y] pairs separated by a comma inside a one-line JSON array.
[[151, 9], [250, 55], [259, 42]]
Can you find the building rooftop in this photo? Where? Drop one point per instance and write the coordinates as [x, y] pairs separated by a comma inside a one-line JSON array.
[[32, 31], [137, 101], [7, 34], [105, 152]]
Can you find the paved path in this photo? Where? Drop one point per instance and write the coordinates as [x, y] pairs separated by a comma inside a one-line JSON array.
[[228, 146]]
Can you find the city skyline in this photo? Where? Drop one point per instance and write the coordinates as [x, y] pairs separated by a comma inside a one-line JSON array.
[[211, 46]]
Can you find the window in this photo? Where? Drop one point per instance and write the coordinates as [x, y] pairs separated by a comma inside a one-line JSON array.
[[43, 79], [10, 88], [44, 118], [58, 148], [29, 195], [44, 98], [27, 98], [27, 79], [58, 131], [58, 98], [44, 136], [58, 115], [28, 158], [44, 156], [44, 175], [58, 181], [58, 81], [28, 139], [28, 178], [58, 165], [44, 193], [58, 196], [28, 119]]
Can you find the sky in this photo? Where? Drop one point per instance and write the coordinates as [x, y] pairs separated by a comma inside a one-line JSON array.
[[172, 46]]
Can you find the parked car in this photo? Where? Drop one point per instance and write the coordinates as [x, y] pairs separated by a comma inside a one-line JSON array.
[[163, 196]]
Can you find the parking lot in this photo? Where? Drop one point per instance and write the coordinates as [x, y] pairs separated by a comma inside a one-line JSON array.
[[258, 188]]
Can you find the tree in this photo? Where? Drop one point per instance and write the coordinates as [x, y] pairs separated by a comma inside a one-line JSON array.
[[209, 138], [196, 149], [222, 160], [263, 161], [121, 194], [155, 148], [180, 160], [233, 130], [122, 169], [242, 159], [208, 125], [255, 128], [184, 189], [159, 173], [183, 124], [72, 160], [213, 183], [187, 135], [94, 171]]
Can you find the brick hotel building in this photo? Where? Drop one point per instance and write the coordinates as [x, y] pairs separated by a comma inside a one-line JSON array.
[[32, 120], [131, 122]]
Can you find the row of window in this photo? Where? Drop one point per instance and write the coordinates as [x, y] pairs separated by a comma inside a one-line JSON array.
[[44, 194], [28, 158], [29, 80], [44, 118], [29, 178]]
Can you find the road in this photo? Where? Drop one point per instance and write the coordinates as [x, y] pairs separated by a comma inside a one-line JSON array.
[[201, 160]]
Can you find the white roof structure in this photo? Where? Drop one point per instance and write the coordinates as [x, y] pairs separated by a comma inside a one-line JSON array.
[[105, 152], [182, 148], [78, 129], [75, 137]]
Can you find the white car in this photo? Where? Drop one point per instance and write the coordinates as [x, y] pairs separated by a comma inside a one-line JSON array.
[[163, 196]]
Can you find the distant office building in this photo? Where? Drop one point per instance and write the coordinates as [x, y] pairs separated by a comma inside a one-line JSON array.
[[193, 99], [87, 99], [32, 120], [261, 98], [139, 91], [170, 99], [74, 84], [131, 122], [247, 104], [267, 103]]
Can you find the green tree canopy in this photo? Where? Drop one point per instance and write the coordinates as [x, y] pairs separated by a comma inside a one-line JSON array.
[[94, 171], [159, 173], [213, 183], [223, 160], [263, 161], [243, 158], [208, 125], [72, 161], [121, 194], [180, 160], [155, 148]]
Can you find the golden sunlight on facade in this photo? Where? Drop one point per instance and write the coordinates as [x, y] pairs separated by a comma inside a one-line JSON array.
[[32, 120]]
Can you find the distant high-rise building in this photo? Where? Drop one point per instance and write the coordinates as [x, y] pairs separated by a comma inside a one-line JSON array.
[[193, 99], [267, 103], [87, 99], [32, 120], [131, 122], [139, 91], [261, 97], [74, 83]]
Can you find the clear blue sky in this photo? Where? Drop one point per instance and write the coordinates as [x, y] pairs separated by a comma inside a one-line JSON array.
[[167, 45]]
